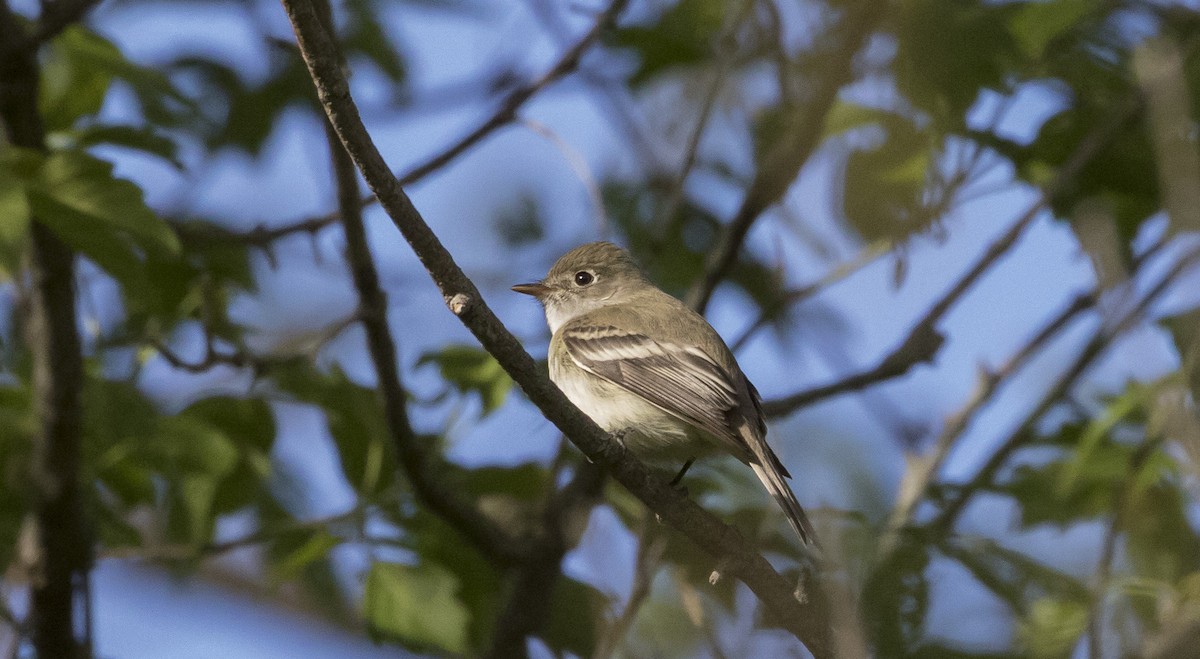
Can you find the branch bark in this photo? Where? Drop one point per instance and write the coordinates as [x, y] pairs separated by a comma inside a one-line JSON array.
[[64, 541], [420, 465], [807, 621]]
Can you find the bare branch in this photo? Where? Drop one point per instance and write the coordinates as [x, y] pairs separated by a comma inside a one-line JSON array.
[[924, 340], [923, 469], [180, 552], [808, 621]]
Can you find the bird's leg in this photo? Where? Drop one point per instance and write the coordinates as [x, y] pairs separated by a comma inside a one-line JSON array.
[[679, 477], [620, 434]]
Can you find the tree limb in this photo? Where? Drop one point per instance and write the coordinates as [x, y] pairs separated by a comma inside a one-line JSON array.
[[923, 469], [421, 466], [63, 539], [807, 621]]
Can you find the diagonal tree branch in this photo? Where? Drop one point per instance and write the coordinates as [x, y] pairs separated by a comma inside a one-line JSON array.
[[420, 464], [923, 469], [782, 165], [806, 620], [61, 590]]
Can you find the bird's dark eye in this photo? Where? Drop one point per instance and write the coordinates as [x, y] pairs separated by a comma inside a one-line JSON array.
[[583, 278]]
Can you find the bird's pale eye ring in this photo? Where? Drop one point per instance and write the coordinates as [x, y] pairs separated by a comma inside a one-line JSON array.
[[583, 278]]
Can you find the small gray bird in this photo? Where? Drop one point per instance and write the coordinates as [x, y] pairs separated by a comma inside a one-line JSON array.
[[642, 364]]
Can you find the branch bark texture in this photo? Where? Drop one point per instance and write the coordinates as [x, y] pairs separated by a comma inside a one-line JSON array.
[[64, 542]]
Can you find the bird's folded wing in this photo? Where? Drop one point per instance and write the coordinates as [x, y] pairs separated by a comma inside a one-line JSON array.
[[682, 381]]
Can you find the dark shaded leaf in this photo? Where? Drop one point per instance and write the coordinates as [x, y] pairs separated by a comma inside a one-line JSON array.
[[576, 610], [681, 36], [144, 139]]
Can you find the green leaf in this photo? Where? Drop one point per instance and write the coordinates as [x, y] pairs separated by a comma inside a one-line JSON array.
[[576, 608], [78, 70], [314, 548], [1053, 627], [355, 419], [846, 115], [885, 185], [76, 194], [948, 53], [247, 421], [190, 445], [472, 370], [1036, 24], [189, 508], [416, 606], [144, 139], [14, 207], [1131, 402], [1160, 541], [365, 35], [681, 36]]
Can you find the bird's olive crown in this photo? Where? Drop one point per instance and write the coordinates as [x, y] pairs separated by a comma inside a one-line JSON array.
[[593, 264]]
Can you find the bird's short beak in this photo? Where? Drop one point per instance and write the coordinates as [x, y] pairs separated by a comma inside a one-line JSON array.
[[536, 289]]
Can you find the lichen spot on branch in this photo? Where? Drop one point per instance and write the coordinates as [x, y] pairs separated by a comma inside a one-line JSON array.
[[459, 303]]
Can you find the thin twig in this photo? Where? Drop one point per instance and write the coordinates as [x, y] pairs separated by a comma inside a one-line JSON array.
[[651, 546], [178, 552], [807, 621], [781, 165], [793, 297], [923, 469], [505, 114], [1096, 348]]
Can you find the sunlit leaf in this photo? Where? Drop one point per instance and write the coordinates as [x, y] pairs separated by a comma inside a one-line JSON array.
[[1036, 24], [1053, 627], [472, 370]]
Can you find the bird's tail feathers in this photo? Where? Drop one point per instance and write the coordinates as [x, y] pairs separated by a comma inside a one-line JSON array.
[[773, 481]]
